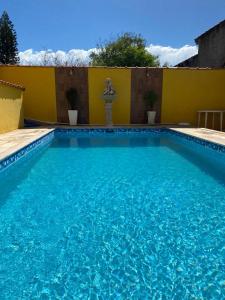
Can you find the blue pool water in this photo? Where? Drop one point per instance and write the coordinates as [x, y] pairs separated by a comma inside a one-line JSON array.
[[133, 216]]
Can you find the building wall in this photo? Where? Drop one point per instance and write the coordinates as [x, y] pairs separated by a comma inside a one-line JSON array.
[[190, 62], [121, 80], [185, 91], [211, 47], [72, 78], [11, 110], [143, 80], [40, 93]]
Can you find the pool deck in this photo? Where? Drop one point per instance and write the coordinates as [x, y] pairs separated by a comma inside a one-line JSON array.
[[13, 141], [210, 135]]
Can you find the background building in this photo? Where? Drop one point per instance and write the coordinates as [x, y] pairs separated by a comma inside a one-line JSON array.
[[211, 49]]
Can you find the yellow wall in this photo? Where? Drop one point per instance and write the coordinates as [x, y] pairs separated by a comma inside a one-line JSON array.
[[185, 91], [121, 80], [11, 113], [39, 96]]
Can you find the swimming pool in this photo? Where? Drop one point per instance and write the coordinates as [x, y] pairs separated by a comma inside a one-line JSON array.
[[124, 214]]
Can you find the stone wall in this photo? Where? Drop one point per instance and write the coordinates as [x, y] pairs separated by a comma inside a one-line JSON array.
[[143, 80], [66, 78]]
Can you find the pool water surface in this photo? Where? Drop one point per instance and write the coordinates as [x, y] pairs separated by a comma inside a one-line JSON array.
[[113, 217]]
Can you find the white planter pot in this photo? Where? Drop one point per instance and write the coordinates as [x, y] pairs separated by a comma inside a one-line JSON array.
[[73, 116], [151, 117]]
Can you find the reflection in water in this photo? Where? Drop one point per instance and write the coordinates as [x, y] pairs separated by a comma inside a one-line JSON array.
[[119, 141]]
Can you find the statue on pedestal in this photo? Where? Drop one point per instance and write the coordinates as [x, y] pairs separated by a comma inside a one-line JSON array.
[[109, 96]]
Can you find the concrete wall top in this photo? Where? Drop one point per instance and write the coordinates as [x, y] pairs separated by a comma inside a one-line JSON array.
[[105, 67], [13, 85]]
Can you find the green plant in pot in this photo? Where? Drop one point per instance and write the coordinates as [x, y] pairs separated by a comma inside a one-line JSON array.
[[72, 98], [150, 99]]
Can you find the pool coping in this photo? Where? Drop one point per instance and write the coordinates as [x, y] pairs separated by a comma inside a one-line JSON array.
[[208, 135], [40, 136], [18, 150]]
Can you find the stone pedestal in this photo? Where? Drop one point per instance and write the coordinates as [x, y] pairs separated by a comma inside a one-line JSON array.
[[108, 114]]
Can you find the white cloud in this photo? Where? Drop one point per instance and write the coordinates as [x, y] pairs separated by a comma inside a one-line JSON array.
[[59, 57], [169, 55]]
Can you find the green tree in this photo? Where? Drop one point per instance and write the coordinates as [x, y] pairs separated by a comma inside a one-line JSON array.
[[8, 42], [128, 50]]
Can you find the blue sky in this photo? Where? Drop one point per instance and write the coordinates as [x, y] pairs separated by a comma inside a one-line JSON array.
[[80, 24]]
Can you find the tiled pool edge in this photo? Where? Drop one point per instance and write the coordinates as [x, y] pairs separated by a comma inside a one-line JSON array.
[[15, 156], [109, 130], [198, 140], [47, 137]]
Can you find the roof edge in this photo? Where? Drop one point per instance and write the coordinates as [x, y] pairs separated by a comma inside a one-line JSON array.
[[16, 86], [209, 30], [188, 59]]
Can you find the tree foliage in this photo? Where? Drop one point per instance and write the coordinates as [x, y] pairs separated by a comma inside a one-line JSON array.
[[8, 41], [128, 50]]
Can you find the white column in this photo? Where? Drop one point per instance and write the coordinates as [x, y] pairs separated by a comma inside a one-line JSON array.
[[108, 114]]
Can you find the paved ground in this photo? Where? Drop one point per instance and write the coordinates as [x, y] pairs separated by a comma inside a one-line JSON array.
[[214, 136], [13, 141]]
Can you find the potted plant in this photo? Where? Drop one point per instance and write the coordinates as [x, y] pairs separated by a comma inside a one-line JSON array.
[[151, 98], [72, 98]]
